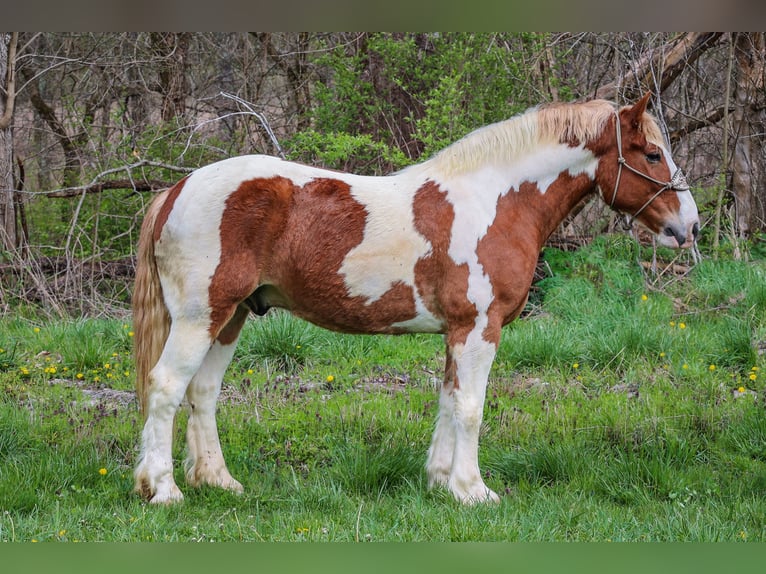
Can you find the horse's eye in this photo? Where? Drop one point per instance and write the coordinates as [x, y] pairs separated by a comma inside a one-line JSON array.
[[653, 157]]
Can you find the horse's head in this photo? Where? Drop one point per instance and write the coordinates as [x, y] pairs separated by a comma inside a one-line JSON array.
[[638, 177]]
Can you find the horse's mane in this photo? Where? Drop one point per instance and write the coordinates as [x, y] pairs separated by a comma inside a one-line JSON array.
[[547, 124]]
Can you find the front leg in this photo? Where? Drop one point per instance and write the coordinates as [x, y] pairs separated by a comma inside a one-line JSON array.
[[454, 454], [439, 465]]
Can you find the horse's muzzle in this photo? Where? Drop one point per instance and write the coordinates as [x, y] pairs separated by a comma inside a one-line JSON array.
[[678, 237]]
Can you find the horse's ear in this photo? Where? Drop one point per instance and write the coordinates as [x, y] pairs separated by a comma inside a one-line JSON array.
[[636, 112]]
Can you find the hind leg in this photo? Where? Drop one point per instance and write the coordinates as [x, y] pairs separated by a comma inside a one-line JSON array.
[[187, 345], [205, 463]]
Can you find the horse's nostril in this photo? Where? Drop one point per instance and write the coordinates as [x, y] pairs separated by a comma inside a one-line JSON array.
[[679, 235]]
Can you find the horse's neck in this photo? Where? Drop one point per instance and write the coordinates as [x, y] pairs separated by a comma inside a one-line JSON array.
[[559, 200], [540, 200]]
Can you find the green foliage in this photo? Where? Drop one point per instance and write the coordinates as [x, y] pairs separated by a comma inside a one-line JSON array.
[[410, 94], [344, 151]]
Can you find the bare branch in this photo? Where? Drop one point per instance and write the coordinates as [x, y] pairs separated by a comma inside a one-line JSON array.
[[695, 124], [670, 59], [97, 186], [261, 118], [143, 185]]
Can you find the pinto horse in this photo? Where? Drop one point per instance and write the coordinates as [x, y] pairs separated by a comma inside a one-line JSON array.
[[446, 246]]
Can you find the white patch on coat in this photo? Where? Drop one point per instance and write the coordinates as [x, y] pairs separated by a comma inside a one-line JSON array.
[[391, 246]]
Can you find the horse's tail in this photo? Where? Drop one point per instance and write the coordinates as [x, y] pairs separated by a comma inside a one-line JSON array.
[[151, 320]]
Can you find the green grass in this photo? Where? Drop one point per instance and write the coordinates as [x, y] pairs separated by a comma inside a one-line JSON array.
[[617, 412]]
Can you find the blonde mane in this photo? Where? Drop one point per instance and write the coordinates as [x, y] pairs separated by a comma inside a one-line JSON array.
[[548, 124], [652, 131]]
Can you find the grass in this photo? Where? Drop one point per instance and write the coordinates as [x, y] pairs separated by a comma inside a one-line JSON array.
[[616, 412]]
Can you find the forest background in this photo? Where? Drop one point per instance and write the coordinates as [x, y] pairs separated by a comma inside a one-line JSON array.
[[93, 124]]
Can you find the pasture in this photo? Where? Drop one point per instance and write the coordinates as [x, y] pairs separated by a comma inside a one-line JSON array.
[[620, 408]]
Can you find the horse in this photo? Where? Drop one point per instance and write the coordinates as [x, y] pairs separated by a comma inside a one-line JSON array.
[[446, 246]]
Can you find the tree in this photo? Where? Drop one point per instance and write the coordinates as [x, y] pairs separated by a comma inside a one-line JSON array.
[[172, 52], [8, 235], [749, 83]]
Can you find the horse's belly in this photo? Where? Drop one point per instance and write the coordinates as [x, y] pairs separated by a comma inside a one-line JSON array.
[[398, 310]]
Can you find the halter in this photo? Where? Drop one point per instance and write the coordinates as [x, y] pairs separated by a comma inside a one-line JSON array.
[[677, 181]]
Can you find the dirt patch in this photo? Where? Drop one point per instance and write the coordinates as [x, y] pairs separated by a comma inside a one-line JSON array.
[[100, 397]]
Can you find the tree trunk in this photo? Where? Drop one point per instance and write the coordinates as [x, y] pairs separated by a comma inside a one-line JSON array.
[[296, 68], [173, 49], [749, 79], [72, 159], [8, 239]]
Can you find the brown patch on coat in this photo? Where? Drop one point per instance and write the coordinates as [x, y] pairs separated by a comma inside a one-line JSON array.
[[442, 284], [252, 221], [166, 208], [324, 224], [509, 250], [294, 239], [230, 331]]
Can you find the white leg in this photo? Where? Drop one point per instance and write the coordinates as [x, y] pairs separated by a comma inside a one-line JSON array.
[[184, 351], [472, 361], [205, 463], [439, 465]]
